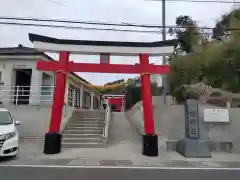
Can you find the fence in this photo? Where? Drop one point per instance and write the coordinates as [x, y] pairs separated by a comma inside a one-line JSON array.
[[32, 95], [108, 118]]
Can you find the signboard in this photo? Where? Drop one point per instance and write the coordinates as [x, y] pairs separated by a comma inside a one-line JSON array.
[[192, 119], [216, 115]]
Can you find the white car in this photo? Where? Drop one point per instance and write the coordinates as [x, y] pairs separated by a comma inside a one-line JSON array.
[[9, 138]]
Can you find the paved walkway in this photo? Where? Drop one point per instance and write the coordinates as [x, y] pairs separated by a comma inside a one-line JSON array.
[[123, 133]]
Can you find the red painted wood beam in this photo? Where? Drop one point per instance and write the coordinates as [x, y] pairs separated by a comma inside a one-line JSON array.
[[104, 68], [59, 92], [118, 68], [147, 97]]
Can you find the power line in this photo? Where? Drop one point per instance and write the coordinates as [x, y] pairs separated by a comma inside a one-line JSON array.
[[171, 28], [207, 1], [77, 27], [123, 24], [105, 29], [202, 1], [192, 1]]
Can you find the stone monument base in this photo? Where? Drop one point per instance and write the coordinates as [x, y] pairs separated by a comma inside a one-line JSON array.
[[193, 148]]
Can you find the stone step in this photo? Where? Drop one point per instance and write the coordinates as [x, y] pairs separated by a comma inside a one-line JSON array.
[[81, 140], [85, 125], [88, 117], [81, 145], [86, 121], [82, 135], [89, 114], [84, 128], [85, 131], [73, 123]]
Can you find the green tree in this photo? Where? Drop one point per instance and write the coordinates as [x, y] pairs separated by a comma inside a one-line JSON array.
[[217, 64], [115, 82], [222, 28], [187, 33]]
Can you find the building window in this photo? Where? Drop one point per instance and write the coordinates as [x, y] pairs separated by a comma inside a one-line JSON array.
[[86, 99], [71, 90]]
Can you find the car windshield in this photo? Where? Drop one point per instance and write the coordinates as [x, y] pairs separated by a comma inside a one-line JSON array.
[[5, 118]]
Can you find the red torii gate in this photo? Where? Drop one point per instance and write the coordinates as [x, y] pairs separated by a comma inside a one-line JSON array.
[[63, 66]]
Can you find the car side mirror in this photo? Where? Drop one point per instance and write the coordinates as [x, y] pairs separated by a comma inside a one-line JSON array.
[[17, 123]]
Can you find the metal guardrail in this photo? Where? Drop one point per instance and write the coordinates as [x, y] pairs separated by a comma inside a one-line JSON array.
[[108, 114], [29, 94]]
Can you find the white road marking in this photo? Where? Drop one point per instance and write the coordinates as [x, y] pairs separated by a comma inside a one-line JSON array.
[[122, 167]]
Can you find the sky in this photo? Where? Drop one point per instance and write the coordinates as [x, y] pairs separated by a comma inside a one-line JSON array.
[[116, 11]]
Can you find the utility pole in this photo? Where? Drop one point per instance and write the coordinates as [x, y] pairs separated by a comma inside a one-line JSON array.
[[164, 79]]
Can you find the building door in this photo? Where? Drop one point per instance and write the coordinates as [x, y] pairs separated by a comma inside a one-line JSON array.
[[22, 86], [95, 103], [86, 100]]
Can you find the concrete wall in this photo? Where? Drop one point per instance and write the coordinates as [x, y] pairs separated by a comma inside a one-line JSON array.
[[170, 123], [35, 119], [136, 118], [67, 114]]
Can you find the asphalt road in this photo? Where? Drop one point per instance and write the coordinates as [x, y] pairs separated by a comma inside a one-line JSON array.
[[43, 173]]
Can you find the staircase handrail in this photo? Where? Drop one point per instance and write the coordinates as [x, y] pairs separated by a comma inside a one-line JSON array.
[[108, 112]]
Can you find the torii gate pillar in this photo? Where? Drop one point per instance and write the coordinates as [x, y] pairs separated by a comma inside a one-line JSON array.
[[53, 138], [150, 139]]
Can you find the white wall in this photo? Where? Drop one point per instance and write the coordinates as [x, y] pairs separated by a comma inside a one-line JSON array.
[[36, 83], [8, 76], [7, 66], [47, 88]]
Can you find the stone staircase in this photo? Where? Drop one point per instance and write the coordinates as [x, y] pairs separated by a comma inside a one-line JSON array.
[[84, 129]]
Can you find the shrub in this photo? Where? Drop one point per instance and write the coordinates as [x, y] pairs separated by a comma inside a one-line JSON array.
[[180, 94], [192, 95], [216, 94]]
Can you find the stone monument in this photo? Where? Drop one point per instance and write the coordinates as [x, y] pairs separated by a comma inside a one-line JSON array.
[[191, 145]]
